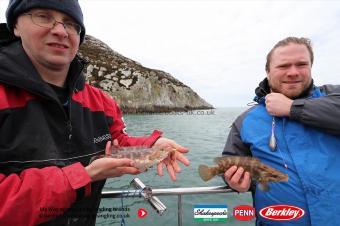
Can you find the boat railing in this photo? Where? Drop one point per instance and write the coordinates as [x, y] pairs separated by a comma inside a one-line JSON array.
[[151, 194]]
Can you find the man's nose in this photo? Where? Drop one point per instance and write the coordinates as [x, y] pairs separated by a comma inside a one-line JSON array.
[[59, 29], [293, 70]]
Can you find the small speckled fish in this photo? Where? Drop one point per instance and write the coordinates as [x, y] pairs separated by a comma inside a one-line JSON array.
[[144, 157], [259, 171]]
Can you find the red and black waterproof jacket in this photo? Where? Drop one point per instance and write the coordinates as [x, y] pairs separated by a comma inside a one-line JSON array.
[[44, 148]]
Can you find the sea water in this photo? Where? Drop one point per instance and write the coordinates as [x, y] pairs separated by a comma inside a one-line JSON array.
[[204, 132]]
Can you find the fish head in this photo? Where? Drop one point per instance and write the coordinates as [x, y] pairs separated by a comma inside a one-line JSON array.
[[161, 153], [274, 176], [282, 177]]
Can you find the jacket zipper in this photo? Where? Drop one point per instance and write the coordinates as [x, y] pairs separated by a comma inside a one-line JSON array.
[[71, 91]]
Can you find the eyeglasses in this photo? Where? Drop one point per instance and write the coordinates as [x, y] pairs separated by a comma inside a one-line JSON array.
[[48, 21]]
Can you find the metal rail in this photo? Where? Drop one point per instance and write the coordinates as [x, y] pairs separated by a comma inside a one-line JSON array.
[[150, 194], [168, 191]]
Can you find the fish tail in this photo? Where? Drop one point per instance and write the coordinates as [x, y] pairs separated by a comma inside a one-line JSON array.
[[205, 172]]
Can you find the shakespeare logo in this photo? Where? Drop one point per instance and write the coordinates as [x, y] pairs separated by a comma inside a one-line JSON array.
[[210, 213]]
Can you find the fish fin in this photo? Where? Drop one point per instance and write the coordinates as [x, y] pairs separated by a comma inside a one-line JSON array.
[[219, 159], [205, 172], [264, 187]]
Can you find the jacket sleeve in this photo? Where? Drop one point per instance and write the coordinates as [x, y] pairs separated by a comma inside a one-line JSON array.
[[234, 144], [117, 129], [322, 113], [27, 198]]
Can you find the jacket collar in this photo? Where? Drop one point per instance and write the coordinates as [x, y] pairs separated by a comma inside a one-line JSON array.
[[17, 70], [263, 89], [6, 36]]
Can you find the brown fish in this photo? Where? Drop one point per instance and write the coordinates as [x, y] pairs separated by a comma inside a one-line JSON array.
[[259, 171], [144, 157]]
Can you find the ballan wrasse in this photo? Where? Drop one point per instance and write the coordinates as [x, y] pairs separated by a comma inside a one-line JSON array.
[[144, 157], [259, 172]]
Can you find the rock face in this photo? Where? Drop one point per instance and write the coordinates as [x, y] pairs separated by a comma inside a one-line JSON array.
[[136, 88]]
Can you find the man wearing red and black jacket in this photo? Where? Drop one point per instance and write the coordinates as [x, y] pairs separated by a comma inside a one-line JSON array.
[[52, 122]]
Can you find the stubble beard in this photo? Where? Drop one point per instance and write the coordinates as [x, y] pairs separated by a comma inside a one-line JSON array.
[[290, 94]]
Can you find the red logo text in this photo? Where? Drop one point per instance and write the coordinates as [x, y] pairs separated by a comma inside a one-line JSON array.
[[282, 212], [244, 212]]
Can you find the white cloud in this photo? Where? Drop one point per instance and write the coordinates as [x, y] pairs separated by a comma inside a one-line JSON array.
[[216, 47]]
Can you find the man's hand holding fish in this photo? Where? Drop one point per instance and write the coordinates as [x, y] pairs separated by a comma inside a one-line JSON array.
[[171, 161], [103, 168], [118, 161], [238, 179]]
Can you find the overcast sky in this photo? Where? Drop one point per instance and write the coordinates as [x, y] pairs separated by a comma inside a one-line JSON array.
[[218, 48]]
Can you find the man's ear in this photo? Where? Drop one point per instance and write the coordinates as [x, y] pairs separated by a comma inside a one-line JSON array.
[[16, 31], [267, 72]]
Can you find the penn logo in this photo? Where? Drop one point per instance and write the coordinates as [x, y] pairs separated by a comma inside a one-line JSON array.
[[244, 212], [282, 212]]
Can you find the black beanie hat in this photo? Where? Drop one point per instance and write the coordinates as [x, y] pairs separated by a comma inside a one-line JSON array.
[[69, 7]]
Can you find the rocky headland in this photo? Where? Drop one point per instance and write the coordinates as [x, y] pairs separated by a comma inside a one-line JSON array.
[[135, 88]]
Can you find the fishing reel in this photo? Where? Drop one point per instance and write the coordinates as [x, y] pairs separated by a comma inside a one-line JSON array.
[[154, 201]]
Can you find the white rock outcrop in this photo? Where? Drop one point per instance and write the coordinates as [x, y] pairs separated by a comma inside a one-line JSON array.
[[136, 88]]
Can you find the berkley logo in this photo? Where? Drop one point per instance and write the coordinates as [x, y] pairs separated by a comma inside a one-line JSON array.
[[282, 212], [244, 212]]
